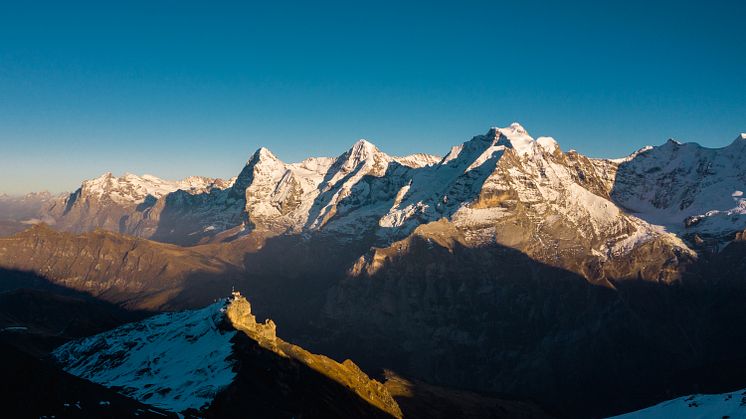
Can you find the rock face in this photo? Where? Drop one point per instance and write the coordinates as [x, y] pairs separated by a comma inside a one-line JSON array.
[[196, 361]]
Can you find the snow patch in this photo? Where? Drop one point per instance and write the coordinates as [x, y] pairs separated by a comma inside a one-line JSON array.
[[174, 361], [697, 406]]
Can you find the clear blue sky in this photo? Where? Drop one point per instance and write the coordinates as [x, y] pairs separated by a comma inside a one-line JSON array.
[[188, 88]]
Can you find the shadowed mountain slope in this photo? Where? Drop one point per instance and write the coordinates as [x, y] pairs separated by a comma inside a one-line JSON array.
[[134, 272]]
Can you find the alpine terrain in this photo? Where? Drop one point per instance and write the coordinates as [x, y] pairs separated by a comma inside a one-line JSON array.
[[505, 278]]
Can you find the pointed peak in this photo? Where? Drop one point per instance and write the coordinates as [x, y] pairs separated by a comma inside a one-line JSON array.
[[363, 144], [262, 153], [361, 150]]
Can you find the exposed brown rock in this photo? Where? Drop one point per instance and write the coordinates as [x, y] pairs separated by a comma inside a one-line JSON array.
[[347, 373]]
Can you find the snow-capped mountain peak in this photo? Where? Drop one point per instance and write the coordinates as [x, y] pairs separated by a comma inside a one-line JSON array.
[[362, 151], [517, 138], [262, 161], [686, 187], [133, 189], [263, 153], [363, 144], [485, 147]]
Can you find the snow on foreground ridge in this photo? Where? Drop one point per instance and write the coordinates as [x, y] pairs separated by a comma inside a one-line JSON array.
[[174, 361], [697, 406]]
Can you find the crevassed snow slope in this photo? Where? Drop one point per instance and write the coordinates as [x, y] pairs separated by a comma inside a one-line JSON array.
[[697, 406], [174, 361]]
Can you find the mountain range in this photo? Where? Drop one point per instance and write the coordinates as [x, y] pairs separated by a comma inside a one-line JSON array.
[[508, 266]]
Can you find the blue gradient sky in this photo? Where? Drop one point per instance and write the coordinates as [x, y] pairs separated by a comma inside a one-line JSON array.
[[194, 88]]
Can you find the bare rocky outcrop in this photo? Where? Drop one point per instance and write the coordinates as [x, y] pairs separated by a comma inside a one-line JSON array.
[[346, 373]]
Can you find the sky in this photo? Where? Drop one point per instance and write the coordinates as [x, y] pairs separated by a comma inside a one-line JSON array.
[[193, 88]]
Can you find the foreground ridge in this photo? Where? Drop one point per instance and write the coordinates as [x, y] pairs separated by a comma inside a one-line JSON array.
[[185, 361]]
